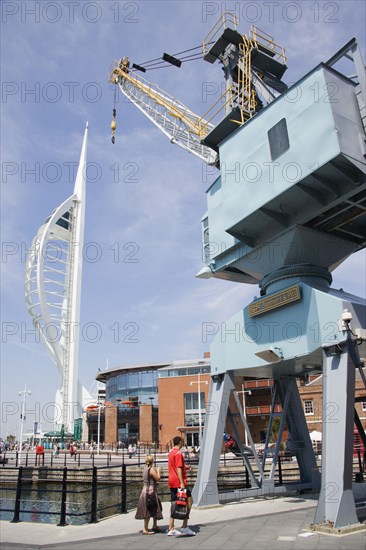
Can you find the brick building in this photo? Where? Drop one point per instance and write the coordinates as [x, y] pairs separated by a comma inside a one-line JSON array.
[[153, 403]]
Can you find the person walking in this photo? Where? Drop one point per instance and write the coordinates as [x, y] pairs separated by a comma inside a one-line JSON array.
[[149, 504], [39, 454], [177, 479]]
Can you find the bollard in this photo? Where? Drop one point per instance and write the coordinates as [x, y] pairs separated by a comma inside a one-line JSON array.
[[26, 458], [279, 470], [79, 459], [94, 497], [359, 475], [62, 521], [16, 517], [124, 490], [359, 460], [247, 484], [16, 459]]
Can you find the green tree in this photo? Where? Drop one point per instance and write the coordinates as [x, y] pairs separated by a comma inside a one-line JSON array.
[[275, 428]]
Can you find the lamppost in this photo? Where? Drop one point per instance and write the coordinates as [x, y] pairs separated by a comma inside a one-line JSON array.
[[100, 405], [243, 392], [199, 406], [25, 392]]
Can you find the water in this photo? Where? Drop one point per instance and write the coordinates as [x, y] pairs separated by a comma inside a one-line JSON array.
[[41, 501]]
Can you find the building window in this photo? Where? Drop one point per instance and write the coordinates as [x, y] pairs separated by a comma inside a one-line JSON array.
[[191, 409], [308, 407], [278, 139], [363, 405]]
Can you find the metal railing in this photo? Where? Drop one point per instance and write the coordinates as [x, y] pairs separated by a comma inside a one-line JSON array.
[[80, 457], [85, 495], [64, 495]]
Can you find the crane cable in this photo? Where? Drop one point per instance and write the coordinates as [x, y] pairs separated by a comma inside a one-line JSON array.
[[160, 65]]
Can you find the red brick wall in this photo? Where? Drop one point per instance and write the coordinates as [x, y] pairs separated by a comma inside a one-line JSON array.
[[110, 434], [146, 431], [171, 402]]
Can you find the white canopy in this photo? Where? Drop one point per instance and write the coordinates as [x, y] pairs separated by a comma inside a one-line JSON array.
[[315, 435]]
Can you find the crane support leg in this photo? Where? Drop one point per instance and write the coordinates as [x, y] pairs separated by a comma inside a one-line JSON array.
[[205, 491], [299, 440], [336, 504]]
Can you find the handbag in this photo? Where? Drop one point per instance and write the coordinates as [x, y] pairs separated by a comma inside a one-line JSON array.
[[179, 508], [151, 504], [179, 511]]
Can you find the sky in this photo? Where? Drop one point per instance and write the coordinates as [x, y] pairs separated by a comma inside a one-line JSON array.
[[141, 302]]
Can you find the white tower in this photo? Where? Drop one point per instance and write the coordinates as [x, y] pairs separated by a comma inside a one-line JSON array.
[[53, 290]]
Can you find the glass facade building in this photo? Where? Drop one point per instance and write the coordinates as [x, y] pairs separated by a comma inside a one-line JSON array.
[[171, 389], [140, 386]]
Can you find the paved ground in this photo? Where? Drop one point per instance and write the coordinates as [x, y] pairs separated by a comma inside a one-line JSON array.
[[266, 523]]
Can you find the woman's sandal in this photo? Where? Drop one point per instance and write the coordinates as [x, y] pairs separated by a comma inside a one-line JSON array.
[[148, 532], [157, 530]]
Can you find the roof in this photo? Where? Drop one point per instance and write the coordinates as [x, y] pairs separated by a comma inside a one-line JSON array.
[[188, 363], [102, 376]]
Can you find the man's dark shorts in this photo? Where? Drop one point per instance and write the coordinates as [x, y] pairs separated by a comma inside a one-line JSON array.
[[173, 493]]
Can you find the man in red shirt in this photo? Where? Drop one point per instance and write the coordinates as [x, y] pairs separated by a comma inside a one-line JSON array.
[[177, 479]]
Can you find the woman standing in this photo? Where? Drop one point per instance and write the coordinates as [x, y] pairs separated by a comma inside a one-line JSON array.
[[149, 505]]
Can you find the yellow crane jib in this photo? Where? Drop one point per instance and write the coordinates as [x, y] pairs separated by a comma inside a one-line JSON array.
[[172, 117]]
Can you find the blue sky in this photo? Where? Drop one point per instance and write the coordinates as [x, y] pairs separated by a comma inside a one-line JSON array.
[[145, 198]]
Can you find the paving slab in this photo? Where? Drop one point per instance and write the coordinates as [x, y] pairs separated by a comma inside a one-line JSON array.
[[256, 525]]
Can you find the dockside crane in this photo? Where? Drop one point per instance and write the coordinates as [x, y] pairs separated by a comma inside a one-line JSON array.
[[287, 234]]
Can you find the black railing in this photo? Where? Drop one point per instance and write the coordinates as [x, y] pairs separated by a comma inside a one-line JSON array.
[[62, 487], [81, 495]]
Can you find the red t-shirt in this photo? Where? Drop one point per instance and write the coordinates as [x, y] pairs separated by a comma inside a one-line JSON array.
[[175, 461]]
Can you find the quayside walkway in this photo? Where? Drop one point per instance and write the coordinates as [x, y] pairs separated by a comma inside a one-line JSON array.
[[253, 524]]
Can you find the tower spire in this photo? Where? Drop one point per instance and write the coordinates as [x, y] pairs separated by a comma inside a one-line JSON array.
[[53, 292]]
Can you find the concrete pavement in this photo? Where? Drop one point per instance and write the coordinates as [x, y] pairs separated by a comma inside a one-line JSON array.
[[253, 524]]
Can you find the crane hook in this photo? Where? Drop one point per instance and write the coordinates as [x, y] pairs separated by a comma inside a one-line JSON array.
[[113, 126]]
